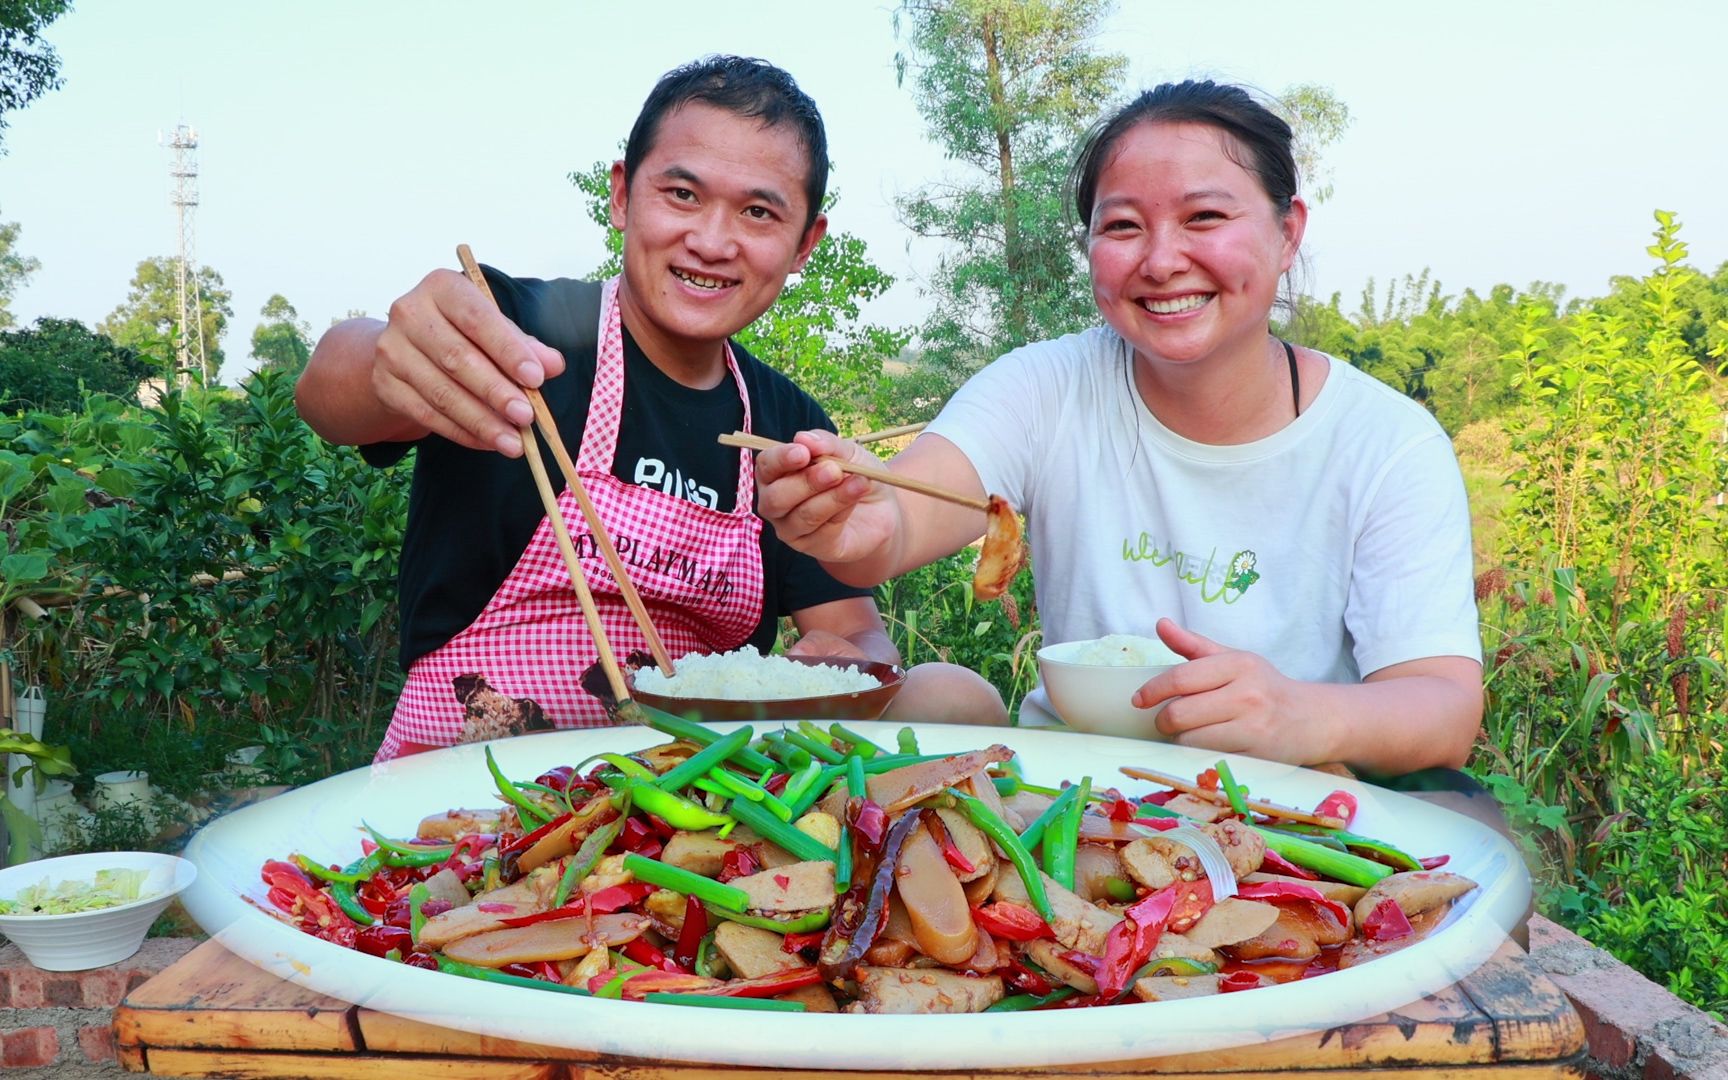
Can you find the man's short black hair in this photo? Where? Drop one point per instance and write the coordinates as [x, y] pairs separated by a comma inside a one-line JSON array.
[[746, 86]]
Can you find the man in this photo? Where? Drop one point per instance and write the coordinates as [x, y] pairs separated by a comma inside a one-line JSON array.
[[719, 198]]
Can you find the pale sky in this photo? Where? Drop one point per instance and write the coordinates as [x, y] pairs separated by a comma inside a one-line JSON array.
[[348, 147]]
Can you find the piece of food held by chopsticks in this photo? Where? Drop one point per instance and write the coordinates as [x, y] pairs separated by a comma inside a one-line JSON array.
[[1004, 551]]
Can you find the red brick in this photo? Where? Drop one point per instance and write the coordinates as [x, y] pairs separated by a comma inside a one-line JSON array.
[[23, 988], [97, 1042], [102, 988], [29, 1048], [1608, 1043]]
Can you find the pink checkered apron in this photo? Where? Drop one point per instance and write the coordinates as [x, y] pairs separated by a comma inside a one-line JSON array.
[[699, 571]]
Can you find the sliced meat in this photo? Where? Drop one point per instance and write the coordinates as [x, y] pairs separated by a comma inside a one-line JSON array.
[[1094, 866], [897, 789], [925, 990], [934, 900], [752, 952], [1331, 890], [1199, 809], [1231, 921], [974, 846], [1175, 987], [453, 823], [697, 852], [1078, 925], [560, 939], [529, 896], [1416, 891], [800, 886], [1047, 954], [1243, 847]]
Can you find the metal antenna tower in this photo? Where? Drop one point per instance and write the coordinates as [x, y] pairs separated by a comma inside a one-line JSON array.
[[189, 348]]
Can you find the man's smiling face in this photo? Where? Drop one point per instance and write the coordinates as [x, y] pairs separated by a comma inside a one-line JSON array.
[[713, 222]]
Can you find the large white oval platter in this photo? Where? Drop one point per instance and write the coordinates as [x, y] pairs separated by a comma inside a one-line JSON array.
[[322, 821]]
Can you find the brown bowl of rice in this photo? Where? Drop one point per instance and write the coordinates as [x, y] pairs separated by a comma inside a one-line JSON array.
[[745, 685]]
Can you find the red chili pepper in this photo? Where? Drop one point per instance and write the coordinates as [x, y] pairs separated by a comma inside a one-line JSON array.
[[1158, 798], [666, 831], [475, 843], [1194, 899], [950, 852], [690, 936], [1208, 780], [795, 943], [557, 778], [868, 820], [1024, 980], [1120, 810], [643, 952], [1434, 862], [379, 938], [420, 960], [1011, 921], [1339, 804], [577, 906], [293, 892], [1278, 891], [368, 845], [1387, 922], [741, 861], [1082, 1001], [1278, 864], [618, 897], [436, 906], [523, 842], [521, 971], [1159, 824], [635, 834], [1130, 942], [1233, 981], [780, 982]]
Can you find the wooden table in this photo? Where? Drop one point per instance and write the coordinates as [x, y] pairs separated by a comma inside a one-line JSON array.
[[213, 1014]]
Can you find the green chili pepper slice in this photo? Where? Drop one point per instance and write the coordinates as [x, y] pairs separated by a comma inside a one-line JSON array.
[[1026, 1002], [675, 810], [907, 740], [1337, 865], [530, 814], [582, 863], [1065, 838], [1173, 965], [815, 919], [417, 897], [1034, 834], [705, 956], [715, 1001], [1009, 841], [400, 848], [484, 974]]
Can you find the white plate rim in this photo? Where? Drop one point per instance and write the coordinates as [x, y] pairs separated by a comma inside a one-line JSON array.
[[323, 818]]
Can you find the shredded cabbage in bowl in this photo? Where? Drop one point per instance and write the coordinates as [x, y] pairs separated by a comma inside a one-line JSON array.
[[110, 888]]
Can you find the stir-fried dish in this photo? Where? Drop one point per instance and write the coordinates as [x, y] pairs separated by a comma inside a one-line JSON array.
[[811, 869]]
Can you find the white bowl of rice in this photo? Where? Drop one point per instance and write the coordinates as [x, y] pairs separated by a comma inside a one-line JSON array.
[[745, 685], [1091, 683]]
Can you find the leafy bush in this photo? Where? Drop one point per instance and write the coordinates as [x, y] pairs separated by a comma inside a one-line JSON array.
[[227, 576]]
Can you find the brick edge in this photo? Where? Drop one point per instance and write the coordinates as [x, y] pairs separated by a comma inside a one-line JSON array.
[[1636, 1029]]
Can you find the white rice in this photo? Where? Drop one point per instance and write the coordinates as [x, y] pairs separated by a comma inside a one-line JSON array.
[[747, 675], [1124, 650]]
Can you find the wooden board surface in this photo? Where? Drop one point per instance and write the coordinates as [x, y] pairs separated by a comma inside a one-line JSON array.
[[213, 1014]]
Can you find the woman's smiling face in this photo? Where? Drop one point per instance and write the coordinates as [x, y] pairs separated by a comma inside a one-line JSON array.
[[1185, 247]]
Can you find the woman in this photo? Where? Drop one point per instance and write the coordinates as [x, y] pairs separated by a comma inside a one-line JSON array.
[[1293, 528]]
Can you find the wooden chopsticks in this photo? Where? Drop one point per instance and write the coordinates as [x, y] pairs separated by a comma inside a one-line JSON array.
[[602, 540], [880, 475], [1188, 787], [891, 433]]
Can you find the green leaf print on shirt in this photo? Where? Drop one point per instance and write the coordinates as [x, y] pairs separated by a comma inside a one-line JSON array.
[[1190, 569]]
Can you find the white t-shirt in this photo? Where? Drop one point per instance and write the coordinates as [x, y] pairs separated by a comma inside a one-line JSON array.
[[1334, 547]]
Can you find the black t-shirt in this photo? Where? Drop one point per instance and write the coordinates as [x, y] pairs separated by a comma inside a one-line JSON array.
[[471, 513]]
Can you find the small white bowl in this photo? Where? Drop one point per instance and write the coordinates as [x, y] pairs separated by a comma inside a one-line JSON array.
[[1098, 698], [91, 939]]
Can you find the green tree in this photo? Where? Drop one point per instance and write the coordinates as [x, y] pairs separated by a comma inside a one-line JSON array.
[[148, 319], [283, 341], [15, 270], [53, 364], [29, 66], [815, 333], [1006, 88]]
